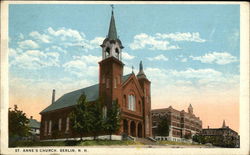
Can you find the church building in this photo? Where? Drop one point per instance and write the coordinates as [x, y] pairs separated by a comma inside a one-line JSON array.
[[131, 91]]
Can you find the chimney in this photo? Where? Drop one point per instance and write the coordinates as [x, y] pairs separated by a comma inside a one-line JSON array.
[[208, 126], [53, 96], [31, 117]]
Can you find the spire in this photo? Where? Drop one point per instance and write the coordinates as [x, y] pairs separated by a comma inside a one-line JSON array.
[[190, 106], [141, 73], [190, 109], [224, 124], [141, 67], [112, 35]]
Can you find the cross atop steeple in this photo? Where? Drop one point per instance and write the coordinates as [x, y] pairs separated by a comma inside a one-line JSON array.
[[112, 6]]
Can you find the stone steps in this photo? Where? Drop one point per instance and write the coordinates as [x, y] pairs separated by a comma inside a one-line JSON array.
[[145, 141]]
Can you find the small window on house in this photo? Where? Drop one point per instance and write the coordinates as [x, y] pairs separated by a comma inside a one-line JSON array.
[[67, 124], [50, 127], [107, 83], [60, 124]]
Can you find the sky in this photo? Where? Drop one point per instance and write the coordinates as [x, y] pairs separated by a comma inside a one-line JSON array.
[[190, 53]]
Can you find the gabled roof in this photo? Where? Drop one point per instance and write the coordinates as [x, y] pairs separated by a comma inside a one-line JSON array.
[[70, 99], [133, 77], [34, 123], [126, 77]]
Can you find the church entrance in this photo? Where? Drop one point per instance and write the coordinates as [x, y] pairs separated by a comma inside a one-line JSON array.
[[139, 128], [133, 129], [125, 126]]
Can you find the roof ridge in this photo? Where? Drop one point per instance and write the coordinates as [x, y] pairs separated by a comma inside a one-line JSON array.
[[81, 89]]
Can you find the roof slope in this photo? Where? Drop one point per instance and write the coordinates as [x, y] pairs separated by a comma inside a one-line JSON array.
[[34, 123], [70, 99], [126, 77]]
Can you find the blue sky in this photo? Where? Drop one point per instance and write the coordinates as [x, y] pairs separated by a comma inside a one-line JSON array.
[[187, 50]]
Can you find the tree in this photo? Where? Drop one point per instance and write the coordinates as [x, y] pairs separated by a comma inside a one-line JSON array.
[[112, 122], [96, 118], [18, 123], [81, 118], [163, 127], [199, 138]]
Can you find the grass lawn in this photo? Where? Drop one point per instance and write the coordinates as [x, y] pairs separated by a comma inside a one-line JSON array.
[[73, 143]]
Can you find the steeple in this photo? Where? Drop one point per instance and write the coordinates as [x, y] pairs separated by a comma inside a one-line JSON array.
[[112, 46], [224, 124], [141, 73], [190, 109], [112, 35]]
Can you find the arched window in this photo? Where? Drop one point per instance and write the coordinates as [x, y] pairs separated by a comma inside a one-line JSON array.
[[107, 52], [124, 100], [131, 102], [117, 53]]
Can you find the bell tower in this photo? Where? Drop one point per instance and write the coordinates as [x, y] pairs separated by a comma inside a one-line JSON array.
[[145, 85], [111, 66]]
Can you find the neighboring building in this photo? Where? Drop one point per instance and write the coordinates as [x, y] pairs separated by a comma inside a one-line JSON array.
[[34, 130], [131, 91], [182, 125], [226, 136]]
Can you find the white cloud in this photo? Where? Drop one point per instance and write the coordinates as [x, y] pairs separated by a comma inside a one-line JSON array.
[[35, 59], [83, 66], [192, 37], [97, 41], [220, 58], [41, 37], [161, 41], [190, 81], [184, 60], [21, 36], [71, 37], [56, 48], [27, 44], [12, 52], [159, 57], [145, 41], [65, 34], [127, 56], [196, 73]]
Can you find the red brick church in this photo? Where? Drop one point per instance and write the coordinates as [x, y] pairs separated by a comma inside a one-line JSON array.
[[131, 91]]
